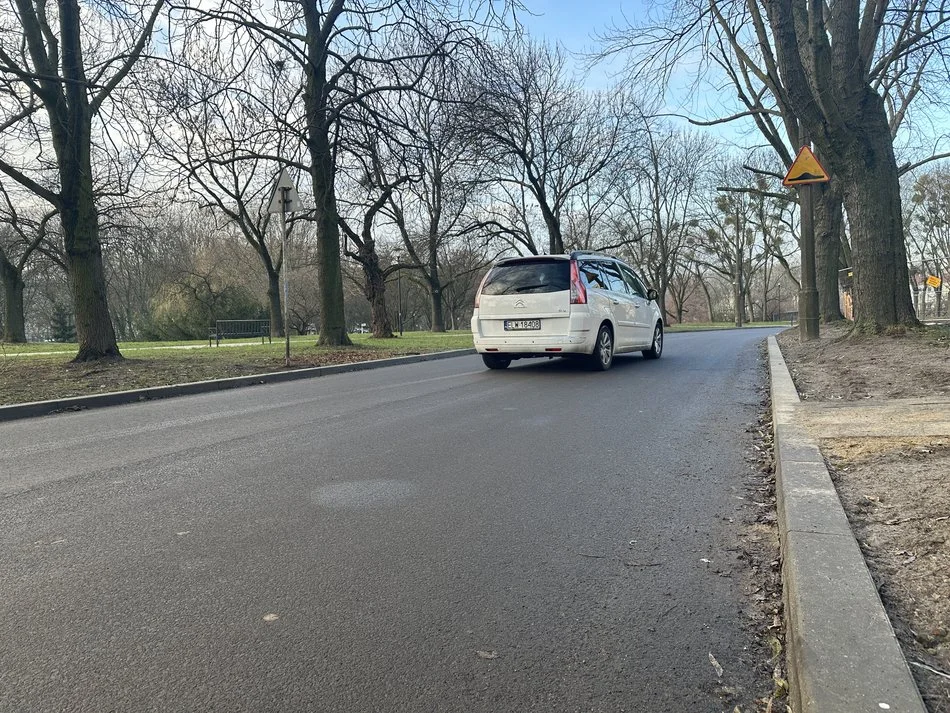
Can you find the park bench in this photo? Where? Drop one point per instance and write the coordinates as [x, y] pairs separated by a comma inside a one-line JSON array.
[[236, 328]]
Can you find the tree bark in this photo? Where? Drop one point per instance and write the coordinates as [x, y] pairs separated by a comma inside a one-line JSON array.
[[738, 302], [71, 128], [94, 330], [274, 306], [435, 290], [551, 222], [828, 227], [374, 287], [709, 301], [872, 197], [322, 174], [14, 324], [828, 91]]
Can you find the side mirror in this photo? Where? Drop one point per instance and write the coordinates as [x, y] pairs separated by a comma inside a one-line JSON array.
[[652, 294]]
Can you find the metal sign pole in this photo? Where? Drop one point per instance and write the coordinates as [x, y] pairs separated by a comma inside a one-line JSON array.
[[808, 298], [284, 200], [285, 269], [804, 171]]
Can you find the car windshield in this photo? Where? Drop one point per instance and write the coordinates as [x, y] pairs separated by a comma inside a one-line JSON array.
[[528, 277]]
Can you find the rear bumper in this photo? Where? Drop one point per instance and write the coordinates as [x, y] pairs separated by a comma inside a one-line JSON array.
[[578, 342]]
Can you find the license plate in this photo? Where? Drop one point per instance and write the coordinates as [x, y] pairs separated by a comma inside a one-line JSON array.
[[520, 325]]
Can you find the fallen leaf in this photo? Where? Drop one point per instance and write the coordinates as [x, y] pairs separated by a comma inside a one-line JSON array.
[[715, 664]]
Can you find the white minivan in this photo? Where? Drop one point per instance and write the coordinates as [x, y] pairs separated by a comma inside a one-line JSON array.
[[583, 304]]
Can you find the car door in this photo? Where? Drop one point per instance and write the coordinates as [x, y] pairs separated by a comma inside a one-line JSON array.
[[599, 299], [622, 305], [643, 327]]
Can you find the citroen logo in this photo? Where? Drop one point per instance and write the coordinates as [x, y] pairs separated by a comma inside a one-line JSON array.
[[519, 304]]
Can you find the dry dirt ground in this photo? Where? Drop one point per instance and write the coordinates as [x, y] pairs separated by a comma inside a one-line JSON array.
[[880, 408]]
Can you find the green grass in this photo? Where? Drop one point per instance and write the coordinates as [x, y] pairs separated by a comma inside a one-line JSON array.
[[410, 341], [28, 373]]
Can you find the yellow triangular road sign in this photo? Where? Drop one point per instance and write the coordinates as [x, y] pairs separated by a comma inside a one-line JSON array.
[[805, 169]]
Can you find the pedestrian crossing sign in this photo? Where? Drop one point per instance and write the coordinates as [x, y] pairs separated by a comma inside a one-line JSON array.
[[805, 169]]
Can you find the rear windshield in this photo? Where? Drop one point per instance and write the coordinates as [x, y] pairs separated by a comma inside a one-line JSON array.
[[528, 277]]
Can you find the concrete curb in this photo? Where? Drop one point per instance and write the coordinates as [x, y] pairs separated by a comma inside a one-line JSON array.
[[78, 403], [843, 655]]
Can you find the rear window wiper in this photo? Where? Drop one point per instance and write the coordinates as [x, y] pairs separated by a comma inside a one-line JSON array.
[[525, 288]]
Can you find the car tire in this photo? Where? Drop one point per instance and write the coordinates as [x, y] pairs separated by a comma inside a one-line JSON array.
[[603, 355], [495, 362], [656, 348]]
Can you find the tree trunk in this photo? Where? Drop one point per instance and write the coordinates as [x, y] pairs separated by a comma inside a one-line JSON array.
[[661, 301], [274, 306], [435, 292], [828, 91], [709, 302], [738, 289], [737, 302], [555, 239], [873, 201], [374, 287], [87, 282], [14, 324], [332, 318], [828, 228], [71, 127]]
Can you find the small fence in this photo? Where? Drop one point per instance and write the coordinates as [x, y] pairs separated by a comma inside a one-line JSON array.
[[236, 328]]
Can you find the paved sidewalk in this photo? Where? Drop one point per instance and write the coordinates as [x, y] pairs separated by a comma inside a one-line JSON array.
[[843, 655]]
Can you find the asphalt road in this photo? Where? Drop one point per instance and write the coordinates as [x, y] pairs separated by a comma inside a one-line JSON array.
[[428, 537]]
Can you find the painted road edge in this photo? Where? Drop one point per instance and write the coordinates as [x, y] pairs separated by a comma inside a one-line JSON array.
[[33, 409], [842, 653]]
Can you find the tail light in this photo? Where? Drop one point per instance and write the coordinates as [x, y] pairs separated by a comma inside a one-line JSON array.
[[578, 291], [478, 294]]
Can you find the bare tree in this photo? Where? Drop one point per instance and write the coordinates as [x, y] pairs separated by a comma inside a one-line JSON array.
[[544, 134], [20, 236], [56, 74], [435, 210], [226, 122], [831, 72], [661, 202], [730, 246], [377, 169], [330, 47], [929, 231]]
